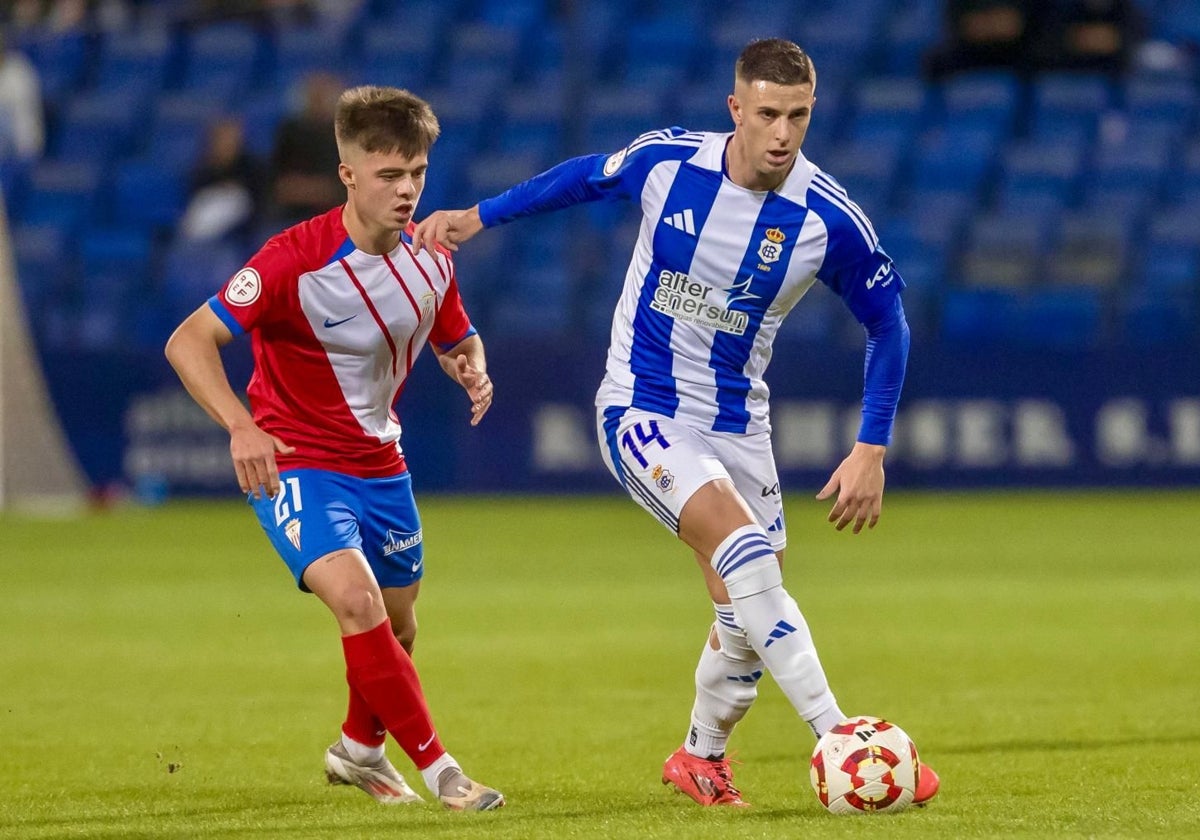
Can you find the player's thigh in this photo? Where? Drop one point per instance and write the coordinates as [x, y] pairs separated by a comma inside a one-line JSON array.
[[751, 464], [314, 514], [392, 539], [659, 461]]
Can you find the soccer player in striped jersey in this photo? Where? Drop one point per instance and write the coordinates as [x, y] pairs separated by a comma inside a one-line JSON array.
[[736, 228], [338, 308]]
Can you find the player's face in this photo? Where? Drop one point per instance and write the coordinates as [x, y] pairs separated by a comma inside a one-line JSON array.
[[771, 121], [384, 186]]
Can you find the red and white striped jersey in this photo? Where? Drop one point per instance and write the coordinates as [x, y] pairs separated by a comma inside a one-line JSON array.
[[334, 334]]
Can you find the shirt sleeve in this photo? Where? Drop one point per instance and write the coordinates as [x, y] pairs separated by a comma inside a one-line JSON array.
[[451, 324], [620, 175], [249, 296], [863, 276]]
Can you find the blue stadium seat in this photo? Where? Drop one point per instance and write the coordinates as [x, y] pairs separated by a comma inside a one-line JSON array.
[[949, 157], [61, 194], [42, 259], [94, 125], [888, 111], [179, 133], [533, 123], [615, 115], [1060, 319], [912, 30], [301, 50], [659, 52], [482, 58], [147, 194], [141, 55], [866, 170], [1171, 100], [978, 317], [981, 99], [1150, 319], [192, 272], [116, 252], [229, 47], [1041, 166], [61, 59]]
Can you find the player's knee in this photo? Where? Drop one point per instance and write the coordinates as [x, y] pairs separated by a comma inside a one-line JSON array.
[[746, 562], [360, 607]]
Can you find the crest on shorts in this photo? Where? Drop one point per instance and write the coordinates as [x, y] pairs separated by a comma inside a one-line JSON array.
[[292, 531], [662, 477], [400, 540]]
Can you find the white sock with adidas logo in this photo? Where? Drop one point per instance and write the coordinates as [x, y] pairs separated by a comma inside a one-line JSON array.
[[774, 625]]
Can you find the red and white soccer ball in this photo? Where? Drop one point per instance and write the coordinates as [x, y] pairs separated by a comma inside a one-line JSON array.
[[864, 765]]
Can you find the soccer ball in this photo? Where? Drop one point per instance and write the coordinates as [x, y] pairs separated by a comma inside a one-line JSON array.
[[864, 765]]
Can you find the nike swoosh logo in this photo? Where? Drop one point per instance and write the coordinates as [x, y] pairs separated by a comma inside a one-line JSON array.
[[329, 323], [421, 747]]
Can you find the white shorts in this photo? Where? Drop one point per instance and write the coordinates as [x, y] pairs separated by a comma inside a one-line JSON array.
[[661, 462]]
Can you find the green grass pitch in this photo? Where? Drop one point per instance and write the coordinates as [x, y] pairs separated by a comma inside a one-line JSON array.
[[160, 677]]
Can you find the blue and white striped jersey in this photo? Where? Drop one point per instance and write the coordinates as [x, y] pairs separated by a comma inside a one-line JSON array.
[[715, 270]]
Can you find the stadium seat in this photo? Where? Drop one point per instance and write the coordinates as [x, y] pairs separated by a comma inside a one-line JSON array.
[[659, 52], [981, 99], [147, 194], [141, 55], [115, 252], [978, 317], [1058, 318], [1150, 319], [301, 50], [61, 59], [948, 157], [1004, 250], [230, 47], [61, 194], [1091, 250], [94, 125]]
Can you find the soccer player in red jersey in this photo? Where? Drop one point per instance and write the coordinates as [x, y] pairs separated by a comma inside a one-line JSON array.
[[338, 308]]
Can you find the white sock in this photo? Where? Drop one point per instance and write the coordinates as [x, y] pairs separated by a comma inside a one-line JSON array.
[[726, 685], [362, 753], [431, 773], [774, 625]]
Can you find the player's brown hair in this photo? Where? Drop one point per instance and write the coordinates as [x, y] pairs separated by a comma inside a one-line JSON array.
[[775, 60], [385, 119]]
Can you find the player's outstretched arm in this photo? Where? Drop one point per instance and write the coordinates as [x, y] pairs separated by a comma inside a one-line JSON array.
[[858, 482], [448, 228], [194, 350], [466, 364]]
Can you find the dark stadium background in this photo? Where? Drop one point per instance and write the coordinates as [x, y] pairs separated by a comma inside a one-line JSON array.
[[1045, 223]]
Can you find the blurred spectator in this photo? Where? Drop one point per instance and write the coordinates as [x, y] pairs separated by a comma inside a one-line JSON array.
[[22, 130], [1027, 36], [226, 188], [304, 161], [981, 34], [1090, 35]]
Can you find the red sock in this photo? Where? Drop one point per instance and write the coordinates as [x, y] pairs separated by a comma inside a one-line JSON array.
[[361, 723], [382, 673]]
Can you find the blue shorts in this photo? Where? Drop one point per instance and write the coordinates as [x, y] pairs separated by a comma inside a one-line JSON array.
[[317, 512]]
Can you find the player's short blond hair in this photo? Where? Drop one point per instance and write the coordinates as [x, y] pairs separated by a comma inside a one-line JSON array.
[[384, 119], [775, 60]]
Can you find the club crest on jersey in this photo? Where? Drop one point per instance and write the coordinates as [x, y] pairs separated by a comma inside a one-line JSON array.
[[400, 540], [244, 288], [292, 531], [428, 301], [662, 478], [771, 246]]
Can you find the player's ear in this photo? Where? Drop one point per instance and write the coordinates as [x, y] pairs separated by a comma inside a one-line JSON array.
[[735, 109], [346, 173]]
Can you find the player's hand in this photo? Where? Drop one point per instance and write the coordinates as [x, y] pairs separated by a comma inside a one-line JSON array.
[[447, 228], [858, 482], [478, 386], [253, 452]]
